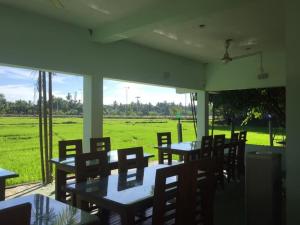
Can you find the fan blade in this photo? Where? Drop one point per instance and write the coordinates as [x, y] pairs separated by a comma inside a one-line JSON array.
[[245, 56]]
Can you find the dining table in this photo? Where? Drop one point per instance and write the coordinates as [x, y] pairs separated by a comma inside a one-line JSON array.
[[185, 150], [125, 193], [46, 211], [5, 174], [64, 166]]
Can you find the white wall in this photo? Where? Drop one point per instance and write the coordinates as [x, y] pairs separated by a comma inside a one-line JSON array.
[[242, 73], [31, 40], [293, 111]]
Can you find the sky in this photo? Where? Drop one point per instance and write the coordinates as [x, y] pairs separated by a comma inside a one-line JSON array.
[[19, 83]]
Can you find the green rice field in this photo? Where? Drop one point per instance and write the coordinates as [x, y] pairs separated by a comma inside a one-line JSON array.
[[19, 139]]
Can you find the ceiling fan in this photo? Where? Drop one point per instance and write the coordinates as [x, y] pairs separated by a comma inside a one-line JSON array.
[[227, 58]]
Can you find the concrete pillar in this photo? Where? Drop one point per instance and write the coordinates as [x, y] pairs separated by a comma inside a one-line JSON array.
[[92, 109], [202, 114], [293, 109]]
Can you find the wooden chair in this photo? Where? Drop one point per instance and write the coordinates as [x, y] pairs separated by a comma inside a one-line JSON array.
[[131, 158], [90, 166], [240, 161], [218, 156], [169, 195], [234, 137], [206, 147], [164, 138], [202, 187], [16, 215], [100, 144], [68, 148]]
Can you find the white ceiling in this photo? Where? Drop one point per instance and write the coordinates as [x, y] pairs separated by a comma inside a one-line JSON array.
[[258, 25]]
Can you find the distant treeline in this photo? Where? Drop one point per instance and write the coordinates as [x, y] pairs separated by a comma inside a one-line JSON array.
[[69, 106], [237, 107]]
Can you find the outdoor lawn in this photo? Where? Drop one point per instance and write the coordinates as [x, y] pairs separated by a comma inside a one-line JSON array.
[[19, 140]]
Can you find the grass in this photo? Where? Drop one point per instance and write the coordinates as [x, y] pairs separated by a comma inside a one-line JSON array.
[[19, 139]]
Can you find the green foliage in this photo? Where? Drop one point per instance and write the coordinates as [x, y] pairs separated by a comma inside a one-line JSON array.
[[246, 105]]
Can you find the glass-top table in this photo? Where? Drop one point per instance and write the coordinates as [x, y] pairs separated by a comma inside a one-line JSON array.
[[65, 166], [5, 174], [124, 193], [45, 211], [186, 150]]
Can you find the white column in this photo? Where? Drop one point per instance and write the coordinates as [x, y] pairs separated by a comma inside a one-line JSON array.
[[293, 109], [92, 109], [202, 114]]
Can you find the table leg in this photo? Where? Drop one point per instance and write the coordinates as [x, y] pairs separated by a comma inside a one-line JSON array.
[[2, 189], [60, 183], [127, 217]]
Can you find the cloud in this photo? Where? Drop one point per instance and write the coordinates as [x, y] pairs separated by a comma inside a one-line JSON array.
[[27, 74], [59, 79], [18, 73], [17, 92], [147, 93]]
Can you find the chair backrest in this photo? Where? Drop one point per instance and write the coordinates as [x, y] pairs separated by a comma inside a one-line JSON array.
[[206, 147], [91, 165], [130, 158], [202, 187], [69, 148], [243, 136], [16, 215], [164, 138], [169, 195], [100, 144], [234, 137], [218, 146]]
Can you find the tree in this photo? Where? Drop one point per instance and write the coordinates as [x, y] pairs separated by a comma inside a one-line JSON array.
[[2, 103], [246, 105]]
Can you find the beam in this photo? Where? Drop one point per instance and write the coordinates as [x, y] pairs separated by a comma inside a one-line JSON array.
[[168, 12]]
